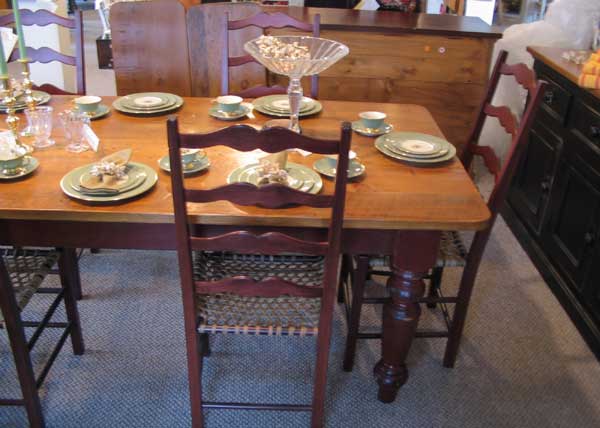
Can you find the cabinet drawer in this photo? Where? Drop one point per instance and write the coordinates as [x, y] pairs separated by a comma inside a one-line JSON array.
[[585, 122], [556, 99]]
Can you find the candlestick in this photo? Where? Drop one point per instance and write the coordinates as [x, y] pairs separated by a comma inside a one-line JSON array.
[[27, 84], [19, 27], [12, 120]]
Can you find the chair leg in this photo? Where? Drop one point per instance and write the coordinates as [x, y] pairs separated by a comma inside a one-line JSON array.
[[204, 344], [94, 250], [18, 343], [344, 272], [68, 270], [359, 278], [434, 284]]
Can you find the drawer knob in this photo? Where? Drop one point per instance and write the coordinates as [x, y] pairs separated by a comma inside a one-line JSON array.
[[545, 185], [594, 131], [549, 97], [589, 238]]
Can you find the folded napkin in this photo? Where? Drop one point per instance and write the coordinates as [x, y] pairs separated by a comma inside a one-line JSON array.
[[108, 174], [590, 72], [272, 169]]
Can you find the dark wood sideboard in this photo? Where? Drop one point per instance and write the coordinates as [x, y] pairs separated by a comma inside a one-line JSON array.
[[553, 206]]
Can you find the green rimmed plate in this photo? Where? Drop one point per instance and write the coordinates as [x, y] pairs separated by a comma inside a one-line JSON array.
[[200, 164], [73, 177], [147, 101], [30, 164], [260, 105], [415, 144], [281, 103], [234, 115], [41, 98], [358, 127], [100, 112], [311, 182], [328, 167], [177, 102], [135, 178], [384, 147]]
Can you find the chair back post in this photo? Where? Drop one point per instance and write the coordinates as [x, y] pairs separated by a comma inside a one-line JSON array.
[[79, 52], [314, 79], [467, 155], [225, 56]]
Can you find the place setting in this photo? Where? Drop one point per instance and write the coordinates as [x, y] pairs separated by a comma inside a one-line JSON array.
[[15, 159], [279, 106], [193, 161], [275, 168], [327, 166], [415, 148], [148, 103], [114, 178]]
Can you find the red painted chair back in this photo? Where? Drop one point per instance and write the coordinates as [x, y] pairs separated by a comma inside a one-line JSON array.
[[44, 54], [519, 131], [246, 138], [263, 20]]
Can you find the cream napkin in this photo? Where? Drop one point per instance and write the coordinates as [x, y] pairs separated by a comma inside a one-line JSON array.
[[108, 174]]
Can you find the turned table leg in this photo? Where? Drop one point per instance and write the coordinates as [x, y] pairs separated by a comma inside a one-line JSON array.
[[413, 256]]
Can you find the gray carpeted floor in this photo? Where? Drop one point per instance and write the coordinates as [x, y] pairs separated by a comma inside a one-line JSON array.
[[522, 363]]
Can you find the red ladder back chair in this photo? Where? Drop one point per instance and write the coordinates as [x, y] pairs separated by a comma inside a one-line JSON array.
[[22, 273], [263, 20], [44, 54], [247, 283], [452, 251]]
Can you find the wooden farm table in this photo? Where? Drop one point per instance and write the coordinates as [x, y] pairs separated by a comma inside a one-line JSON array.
[[393, 209]]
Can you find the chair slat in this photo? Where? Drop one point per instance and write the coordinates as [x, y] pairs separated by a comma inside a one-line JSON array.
[[268, 196], [490, 160], [235, 61], [40, 17], [270, 20], [267, 243], [521, 73], [261, 91], [45, 55], [245, 138], [506, 118], [246, 286]]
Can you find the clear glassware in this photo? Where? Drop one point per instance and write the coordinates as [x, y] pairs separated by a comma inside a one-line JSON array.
[[73, 122], [322, 54], [39, 126]]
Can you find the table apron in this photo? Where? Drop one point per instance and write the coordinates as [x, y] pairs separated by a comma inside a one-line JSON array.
[[157, 236]]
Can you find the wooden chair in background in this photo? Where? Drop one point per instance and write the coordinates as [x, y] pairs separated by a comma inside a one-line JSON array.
[[44, 54], [22, 272], [264, 21], [247, 283], [452, 251]]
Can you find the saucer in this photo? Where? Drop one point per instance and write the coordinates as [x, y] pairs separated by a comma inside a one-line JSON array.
[[358, 127], [327, 167], [27, 168], [234, 115], [101, 111], [193, 167]]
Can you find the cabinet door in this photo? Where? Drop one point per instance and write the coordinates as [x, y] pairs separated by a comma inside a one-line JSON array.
[[533, 181], [592, 283], [574, 211]]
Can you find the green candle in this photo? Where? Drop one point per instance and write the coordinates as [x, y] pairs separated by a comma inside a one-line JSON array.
[[17, 14], [3, 67]]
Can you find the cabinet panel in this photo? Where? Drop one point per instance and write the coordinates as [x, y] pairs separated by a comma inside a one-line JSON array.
[[571, 230], [533, 182], [556, 99], [592, 285]]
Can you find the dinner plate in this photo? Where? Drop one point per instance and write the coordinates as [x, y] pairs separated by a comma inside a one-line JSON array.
[[200, 164], [328, 167], [415, 144], [30, 164], [260, 105], [281, 103], [177, 102], [147, 101], [382, 146], [311, 181], [135, 178], [66, 184]]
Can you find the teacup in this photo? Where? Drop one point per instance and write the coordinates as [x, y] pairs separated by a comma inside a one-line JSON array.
[[11, 161], [88, 103], [229, 103], [372, 119], [189, 155]]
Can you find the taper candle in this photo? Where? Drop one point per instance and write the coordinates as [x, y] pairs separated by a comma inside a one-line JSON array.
[[3, 66], [19, 27]]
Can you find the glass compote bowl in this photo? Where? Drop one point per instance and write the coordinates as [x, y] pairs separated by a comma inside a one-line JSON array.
[[320, 54]]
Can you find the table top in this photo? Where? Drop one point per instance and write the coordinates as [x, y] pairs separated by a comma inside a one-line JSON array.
[[390, 195]]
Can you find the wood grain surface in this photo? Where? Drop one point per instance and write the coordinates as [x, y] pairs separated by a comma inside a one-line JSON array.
[[391, 194]]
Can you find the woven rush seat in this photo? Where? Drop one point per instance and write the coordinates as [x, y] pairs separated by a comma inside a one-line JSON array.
[[27, 269], [452, 253], [229, 313]]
